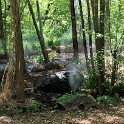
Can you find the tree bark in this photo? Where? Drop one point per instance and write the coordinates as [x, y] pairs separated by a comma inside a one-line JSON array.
[[1, 21], [15, 12], [99, 41], [74, 31], [2, 40], [107, 26], [90, 34], [114, 67], [84, 36], [100, 54], [40, 37]]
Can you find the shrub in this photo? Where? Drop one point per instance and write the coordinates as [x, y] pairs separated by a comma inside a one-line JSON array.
[[68, 96], [34, 106], [10, 111], [108, 99]]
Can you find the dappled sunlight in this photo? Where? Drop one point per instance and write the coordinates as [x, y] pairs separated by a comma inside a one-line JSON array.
[[5, 119], [113, 118], [79, 121]]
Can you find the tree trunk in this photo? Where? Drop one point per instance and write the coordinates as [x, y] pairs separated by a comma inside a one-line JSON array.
[[1, 21], [90, 35], [2, 40], [74, 31], [114, 67], [40, 37], [99, 41], [84, 36], [15, 11], [93, 8], [5, 3], [107, 26], [41, 34], [100, 54]]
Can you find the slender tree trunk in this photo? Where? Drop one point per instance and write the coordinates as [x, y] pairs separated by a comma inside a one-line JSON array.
[[114, 67], [40, 37], [100, 54], [115, 50], [90, 35], [74, 31], [107, 24], [5, 18], [41, 33], [1, 21], [93, 8], [2, 40], [46, 13], [15, 11], [84, 36]]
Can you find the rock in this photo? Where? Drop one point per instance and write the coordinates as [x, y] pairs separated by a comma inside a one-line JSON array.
[[38, 68], [54, 65], [32, 67], [57, 83]]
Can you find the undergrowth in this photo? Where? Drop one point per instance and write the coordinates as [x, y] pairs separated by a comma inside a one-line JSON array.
[[68, 96], [108, 99]]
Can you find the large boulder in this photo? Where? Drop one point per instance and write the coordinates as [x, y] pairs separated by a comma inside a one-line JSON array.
[[57, 83]]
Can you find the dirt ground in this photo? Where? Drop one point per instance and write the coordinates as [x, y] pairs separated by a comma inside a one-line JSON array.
[[103, 114]]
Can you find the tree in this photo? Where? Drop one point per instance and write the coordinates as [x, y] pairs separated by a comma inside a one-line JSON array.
[[84, 36], [99, 41], [2, 31], [15, 12], [39, 32], [90, 34], [74, 31], [1, 21], [100, 48]]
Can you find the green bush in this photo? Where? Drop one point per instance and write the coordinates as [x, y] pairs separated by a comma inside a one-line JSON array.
[[10, 111], [68, 96], [36, 59], [108, 99], [91, 81], [52, 55], [34, 106]]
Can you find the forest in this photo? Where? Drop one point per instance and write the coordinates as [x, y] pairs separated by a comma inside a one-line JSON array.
[[61, 61]]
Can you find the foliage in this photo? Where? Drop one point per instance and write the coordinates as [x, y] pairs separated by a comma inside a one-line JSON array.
[[68, 96], [38, 59], [91, 81], [52, 55], [108, 99], [119, 89], [10, 111], [34, 106]]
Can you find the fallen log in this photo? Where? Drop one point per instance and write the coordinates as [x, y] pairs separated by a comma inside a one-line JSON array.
[[80, 102]]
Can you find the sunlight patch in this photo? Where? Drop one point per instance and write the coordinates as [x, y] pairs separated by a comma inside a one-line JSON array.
[[5, 119]]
